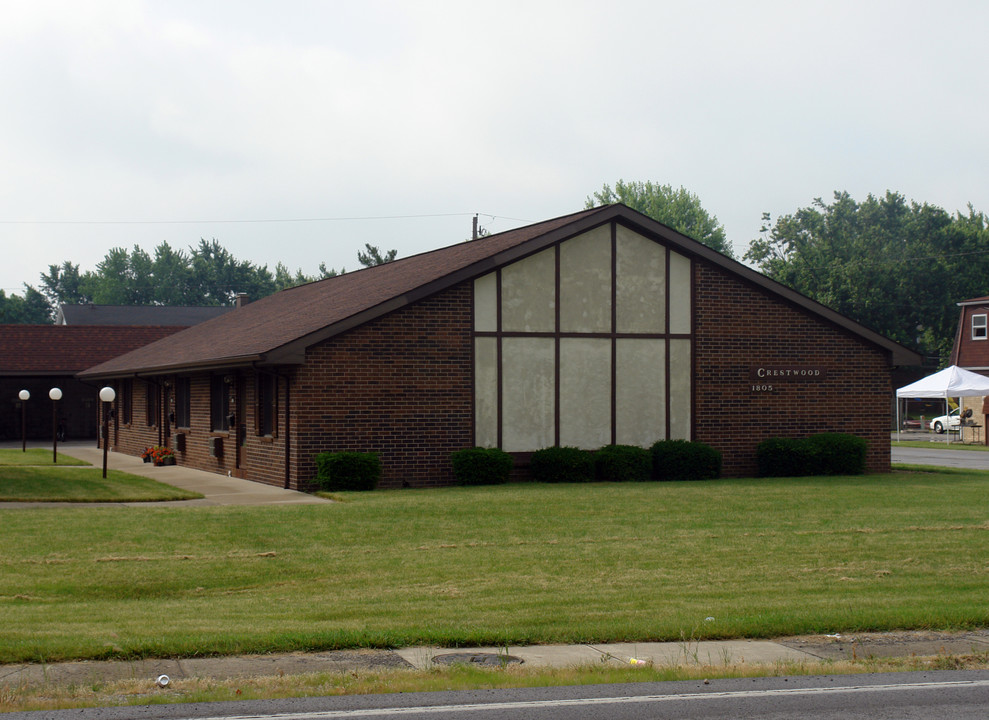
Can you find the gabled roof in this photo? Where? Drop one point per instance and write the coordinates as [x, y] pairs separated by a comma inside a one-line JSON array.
[[277, 329], [67, 349], [974, 301], [163, 315]]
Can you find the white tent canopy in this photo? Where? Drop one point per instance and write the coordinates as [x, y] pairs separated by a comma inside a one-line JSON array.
[[951, 382]]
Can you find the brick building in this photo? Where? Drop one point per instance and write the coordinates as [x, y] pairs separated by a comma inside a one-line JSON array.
[[38, 358], [971, 348], [599, 327]]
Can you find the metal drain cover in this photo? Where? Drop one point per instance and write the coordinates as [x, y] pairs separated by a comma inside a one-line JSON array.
[[482, 658]]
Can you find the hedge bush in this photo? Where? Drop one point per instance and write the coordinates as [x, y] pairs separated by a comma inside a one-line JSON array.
[[822, 454], [562, 464], [481, 466], [684, 460], [348, 471], [623, 463], [839, 453]]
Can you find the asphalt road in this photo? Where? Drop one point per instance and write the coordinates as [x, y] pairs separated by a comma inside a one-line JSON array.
[[918, 695], [940, 456]]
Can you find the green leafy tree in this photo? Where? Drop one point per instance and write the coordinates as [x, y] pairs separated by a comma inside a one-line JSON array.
[[675, 207], [63, 285], [30, 309], [897, 267]]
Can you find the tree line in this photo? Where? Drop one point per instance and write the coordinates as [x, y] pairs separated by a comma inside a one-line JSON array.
[[206, 275]]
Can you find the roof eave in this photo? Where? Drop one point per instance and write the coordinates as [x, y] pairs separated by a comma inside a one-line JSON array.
[[174, 368]]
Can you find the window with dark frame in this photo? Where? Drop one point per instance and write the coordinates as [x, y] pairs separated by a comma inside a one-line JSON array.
[[150, 404], [267, 405], [219, 396], [183, 402], [979, 327], [124, 400]]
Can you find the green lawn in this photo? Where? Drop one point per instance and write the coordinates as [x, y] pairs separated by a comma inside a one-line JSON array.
[[511, 564], [940, 444], [35, 456], [82, 485]]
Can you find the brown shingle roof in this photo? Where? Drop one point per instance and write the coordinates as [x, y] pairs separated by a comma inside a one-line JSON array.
[[67, 349], [159, 315], [278, 328]]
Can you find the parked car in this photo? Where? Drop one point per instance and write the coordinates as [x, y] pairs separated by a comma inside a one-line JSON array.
[[951, 420]]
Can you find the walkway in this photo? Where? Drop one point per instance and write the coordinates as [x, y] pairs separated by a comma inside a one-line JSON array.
[[217, 489]]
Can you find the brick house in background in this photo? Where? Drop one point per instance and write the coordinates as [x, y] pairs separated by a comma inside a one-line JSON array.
[[599, 327], [971, 348], [38, 358]]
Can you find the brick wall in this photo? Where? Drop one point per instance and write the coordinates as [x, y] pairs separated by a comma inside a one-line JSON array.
[[739, 326], [261, 459], [400, 386]]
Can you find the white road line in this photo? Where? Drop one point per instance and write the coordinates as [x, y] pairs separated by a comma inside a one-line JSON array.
[[534, 704]]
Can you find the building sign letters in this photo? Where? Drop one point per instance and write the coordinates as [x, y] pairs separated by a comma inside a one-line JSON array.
[[763, 377]]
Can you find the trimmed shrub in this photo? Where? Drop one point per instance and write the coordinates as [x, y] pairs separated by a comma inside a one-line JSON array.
[[622, 463], [481, 466], [684, 460], [785, 457], [348, 471], [839, 453], [822, 454], [562, 464]]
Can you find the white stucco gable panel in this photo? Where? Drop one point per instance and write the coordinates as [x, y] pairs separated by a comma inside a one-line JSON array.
[[591, 345]]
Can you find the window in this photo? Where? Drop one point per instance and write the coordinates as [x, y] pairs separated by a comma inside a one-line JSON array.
[[267, 411], [150, 404], [978, 327], [124, 400], [219, 396], [183, 400]]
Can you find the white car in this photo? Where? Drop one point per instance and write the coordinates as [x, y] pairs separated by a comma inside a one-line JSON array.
[[951, 420]]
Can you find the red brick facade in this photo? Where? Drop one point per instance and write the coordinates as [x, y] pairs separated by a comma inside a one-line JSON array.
[[400, 386], [738, 327]]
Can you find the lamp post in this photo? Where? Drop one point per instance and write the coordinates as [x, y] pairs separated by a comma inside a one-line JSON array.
[[24, 395], [55, 394], [107, 395]]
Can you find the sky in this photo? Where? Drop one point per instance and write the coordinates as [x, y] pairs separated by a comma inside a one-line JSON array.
[[297, 131]]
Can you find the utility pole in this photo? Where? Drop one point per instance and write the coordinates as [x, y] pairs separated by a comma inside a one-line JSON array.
[[473, 235]]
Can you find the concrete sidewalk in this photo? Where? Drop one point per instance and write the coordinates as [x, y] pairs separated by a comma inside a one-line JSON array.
[[216, 489], [806, 649]]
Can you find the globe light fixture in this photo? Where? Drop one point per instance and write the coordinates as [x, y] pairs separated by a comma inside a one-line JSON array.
[[24, 396], [107, 395], [55, 394]]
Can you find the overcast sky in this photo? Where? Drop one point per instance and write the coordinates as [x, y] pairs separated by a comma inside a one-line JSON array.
[[295, 131]]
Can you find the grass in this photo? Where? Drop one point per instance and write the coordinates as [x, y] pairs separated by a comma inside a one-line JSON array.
[[81, 485], [514, 564], [35, 456], [142, 691], [940, 445]]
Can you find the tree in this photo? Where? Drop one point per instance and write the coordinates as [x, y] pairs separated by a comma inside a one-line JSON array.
[[63, 285], [677, 208], [894, 266], [373, 256], [31, 309]]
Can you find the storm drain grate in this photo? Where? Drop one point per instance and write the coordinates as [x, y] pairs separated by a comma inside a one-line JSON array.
[[493, 659]]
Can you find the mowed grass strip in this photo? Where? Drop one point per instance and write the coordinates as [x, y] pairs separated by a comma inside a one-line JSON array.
[[36, 456], [82, 485], [511, 564]]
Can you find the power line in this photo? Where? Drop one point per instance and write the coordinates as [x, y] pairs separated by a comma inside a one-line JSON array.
[[256, 221]]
